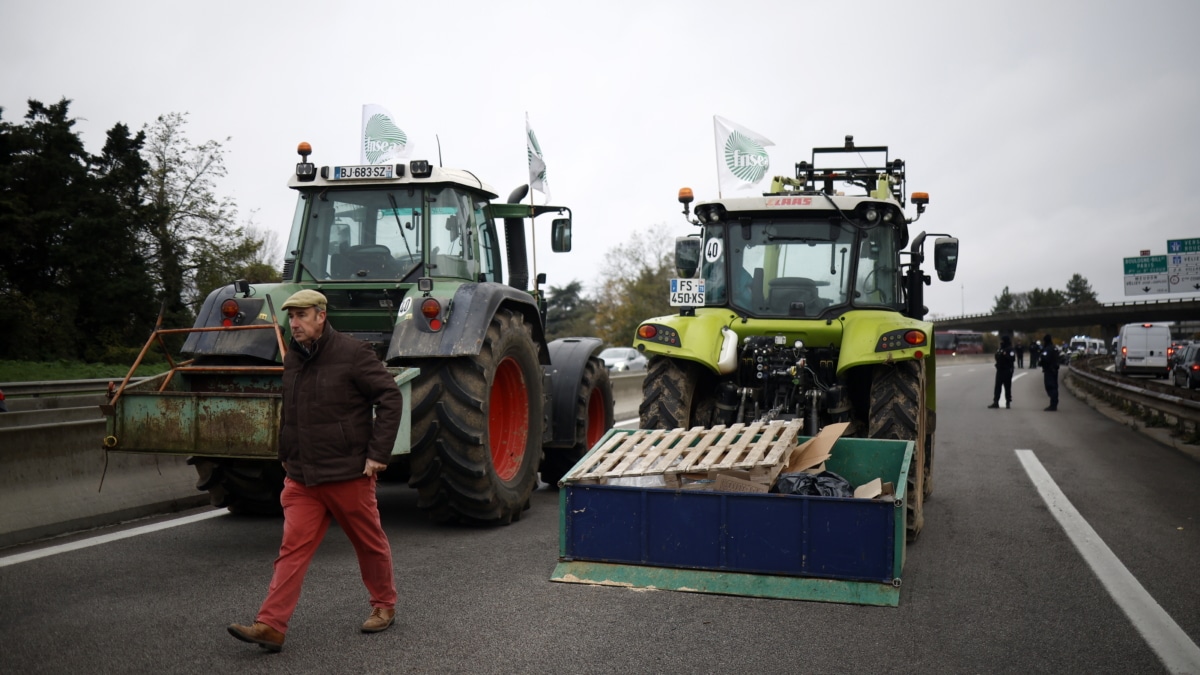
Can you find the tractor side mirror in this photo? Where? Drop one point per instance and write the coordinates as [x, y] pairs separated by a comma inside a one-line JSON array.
[[945, 257], [687, 256], [560, 235]]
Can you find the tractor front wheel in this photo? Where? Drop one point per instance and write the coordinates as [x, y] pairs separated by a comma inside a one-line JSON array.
[[677, 394], [897, 409]]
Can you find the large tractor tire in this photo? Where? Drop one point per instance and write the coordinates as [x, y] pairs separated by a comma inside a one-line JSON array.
[[245, 487], [593, 417], [477, 428], [898, 412], [677, 394]]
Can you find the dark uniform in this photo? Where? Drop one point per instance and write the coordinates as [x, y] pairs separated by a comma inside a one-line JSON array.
[[1005, 359], [1049, 359], [1020, 349]]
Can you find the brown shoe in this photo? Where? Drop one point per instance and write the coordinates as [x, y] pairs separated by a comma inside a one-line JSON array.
[[260, 634], [380, 619]]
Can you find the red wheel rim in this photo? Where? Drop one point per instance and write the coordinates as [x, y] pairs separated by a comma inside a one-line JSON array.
[[595, 417], [508, 419]]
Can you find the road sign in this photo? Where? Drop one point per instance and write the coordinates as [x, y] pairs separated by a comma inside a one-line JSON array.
[[1146, 275], [1183, 272], [1183, 246]]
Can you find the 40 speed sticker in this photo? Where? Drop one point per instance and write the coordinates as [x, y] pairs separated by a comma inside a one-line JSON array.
[[713, 249]]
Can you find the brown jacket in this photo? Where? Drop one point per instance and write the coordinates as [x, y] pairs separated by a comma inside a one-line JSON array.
[[326, 430]]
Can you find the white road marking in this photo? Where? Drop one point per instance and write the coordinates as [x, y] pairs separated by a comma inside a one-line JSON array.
[[106, 538], [1018, 376], [1177, 652]]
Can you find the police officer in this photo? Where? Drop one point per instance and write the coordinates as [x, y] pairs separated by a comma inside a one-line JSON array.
[[1020, 349], [1049, 359], [1005, 358]]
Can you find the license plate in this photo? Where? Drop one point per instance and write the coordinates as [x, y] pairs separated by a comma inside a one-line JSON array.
[[362, 171], [687, 292]]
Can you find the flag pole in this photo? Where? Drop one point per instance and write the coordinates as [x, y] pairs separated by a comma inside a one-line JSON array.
[[717, 152], [532, 225]]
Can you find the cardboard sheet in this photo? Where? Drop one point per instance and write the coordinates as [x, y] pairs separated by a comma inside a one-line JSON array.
[[816, 449]]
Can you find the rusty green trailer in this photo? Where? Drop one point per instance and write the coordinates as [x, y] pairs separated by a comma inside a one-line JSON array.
[[215, 412]]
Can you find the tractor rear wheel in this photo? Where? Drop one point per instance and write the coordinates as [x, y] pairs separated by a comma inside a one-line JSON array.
[[677, 394], [897, 412], [245, 487], [593, 417], [477, 428]]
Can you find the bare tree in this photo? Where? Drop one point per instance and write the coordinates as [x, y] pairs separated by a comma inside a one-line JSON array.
[[188, 225]]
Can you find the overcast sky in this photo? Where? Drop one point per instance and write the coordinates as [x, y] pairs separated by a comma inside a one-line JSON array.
[[1053, 137]]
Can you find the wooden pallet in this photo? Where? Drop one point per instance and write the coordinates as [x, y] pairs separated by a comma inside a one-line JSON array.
[[761, 450]]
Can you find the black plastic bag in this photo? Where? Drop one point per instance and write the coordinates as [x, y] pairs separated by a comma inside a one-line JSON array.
[[824, 484]]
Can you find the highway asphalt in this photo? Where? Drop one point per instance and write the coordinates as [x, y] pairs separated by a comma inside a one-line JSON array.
[[994, 584]]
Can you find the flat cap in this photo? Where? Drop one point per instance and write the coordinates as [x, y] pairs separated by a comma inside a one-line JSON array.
[[306, 298]]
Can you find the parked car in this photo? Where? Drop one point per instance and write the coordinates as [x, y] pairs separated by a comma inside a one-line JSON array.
[[623, 359], [1186, 371]]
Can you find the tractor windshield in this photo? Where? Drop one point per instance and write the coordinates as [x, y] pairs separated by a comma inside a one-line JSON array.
[[385, 233], [792, 267]]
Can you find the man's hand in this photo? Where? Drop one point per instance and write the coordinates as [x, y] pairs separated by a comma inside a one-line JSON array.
[[374, 467]]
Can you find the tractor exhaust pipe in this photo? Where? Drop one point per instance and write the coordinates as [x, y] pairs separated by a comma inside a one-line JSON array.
[[514, 244]]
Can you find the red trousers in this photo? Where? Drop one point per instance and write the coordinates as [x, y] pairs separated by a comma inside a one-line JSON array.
[[307, 511]]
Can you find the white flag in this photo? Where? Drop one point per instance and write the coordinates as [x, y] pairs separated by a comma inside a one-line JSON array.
[[537, 163], [742, 159], [382, 140]]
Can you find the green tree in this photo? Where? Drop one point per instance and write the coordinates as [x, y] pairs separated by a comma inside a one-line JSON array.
[[1050, 297], [1079, 291], [111, 275], [1003, 302], [568, 312], [72, 283], [245, 256], [637, 275]]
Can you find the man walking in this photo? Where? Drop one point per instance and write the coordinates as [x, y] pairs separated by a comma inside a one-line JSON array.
[[331, 449], [1050, 371], [1004, 373], [1020, 350]]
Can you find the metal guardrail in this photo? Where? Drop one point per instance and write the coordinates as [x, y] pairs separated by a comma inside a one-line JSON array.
[[1173, 406], [59, 387]]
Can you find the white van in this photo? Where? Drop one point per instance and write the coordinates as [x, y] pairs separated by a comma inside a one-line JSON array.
[[1142, 348]]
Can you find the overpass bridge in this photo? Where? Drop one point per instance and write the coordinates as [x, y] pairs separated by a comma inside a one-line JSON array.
[[1110, 317]]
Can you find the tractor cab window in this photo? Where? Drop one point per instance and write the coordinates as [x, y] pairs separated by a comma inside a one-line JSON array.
[[451, 252], [353, 235], [789, 267], [877, 278], [489, 246]]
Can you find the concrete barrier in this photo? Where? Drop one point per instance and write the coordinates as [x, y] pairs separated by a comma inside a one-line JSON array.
[[50, 482], [627, 395]]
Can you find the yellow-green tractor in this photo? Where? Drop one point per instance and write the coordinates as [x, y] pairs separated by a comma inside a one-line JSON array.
[[801, 303]]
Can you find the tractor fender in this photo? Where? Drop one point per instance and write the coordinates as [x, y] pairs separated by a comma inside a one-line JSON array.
[[253, 310], [469, 315], [568, 358], [862, 331]]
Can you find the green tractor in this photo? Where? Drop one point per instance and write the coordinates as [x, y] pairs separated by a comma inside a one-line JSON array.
[[410, 259], [798, 304]]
